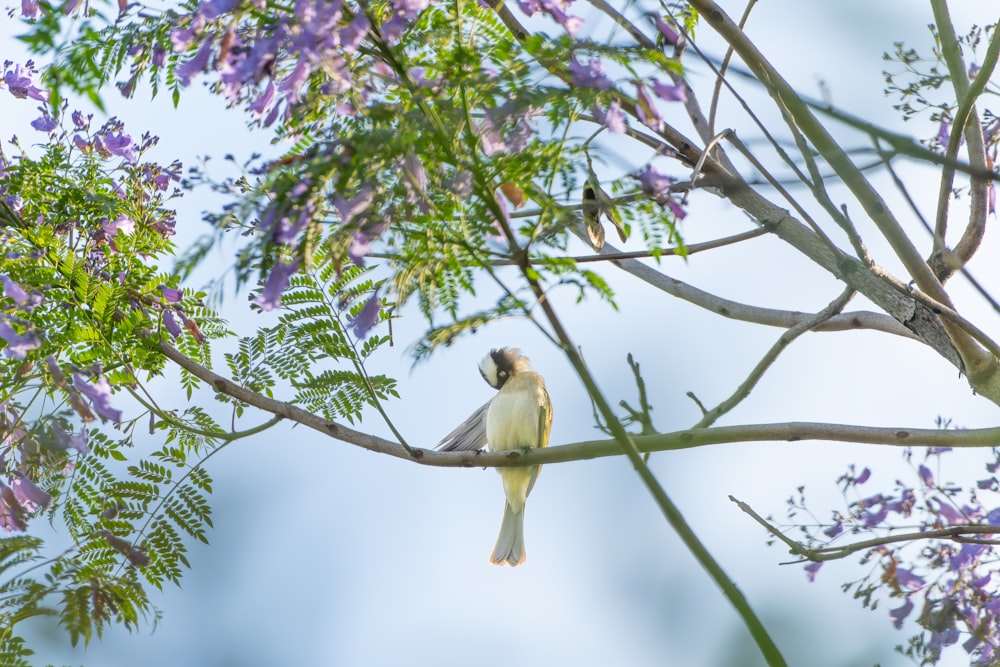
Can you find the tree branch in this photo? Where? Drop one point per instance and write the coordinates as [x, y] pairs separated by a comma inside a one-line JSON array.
[[580, 451], [956, 533], [771, 355], [756, 314], [967, 124]]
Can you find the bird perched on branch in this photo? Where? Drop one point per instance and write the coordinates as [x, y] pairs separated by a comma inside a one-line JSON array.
[[519, 416], [596, 203]]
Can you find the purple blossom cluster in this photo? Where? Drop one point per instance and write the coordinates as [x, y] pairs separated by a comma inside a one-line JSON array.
[[20, 496], [950, 579], [274, 67], [269, 69], [19, 81], [660, 188], [556, 9]]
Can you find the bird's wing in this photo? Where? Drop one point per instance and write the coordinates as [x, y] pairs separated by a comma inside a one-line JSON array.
[[469, 435], [544, 427], [544, 420]]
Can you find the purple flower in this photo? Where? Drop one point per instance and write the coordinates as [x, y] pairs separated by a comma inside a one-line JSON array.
[[553, 9], [393, 29], [159, 56], [29, 8], [128, 87], [11, 513], [171, 294], [670, 35], [277, 281], [943, 638], [905, 503], [18, 344], [187, 70], [872, 519], [79, 120], [19, 83], [54, 371], [676, 208], [362, 323], [899, 614], [213, 9], [64, 440], [949, 513], [811, 570], [119, 144], [906, 579], [45, 123], [264, 101], [590, 75], [989, 484], [993, 518], [645, 108], [613, 118], [968, 555], [355, 32], [123, 224], [655, 184], [28, 494], [99, 394], [410, 9], [15, 202], [834, 530], [944, 133], [14, 291], [347, 209], [293, 83], [170, 323], [863, 477], [669, 93], [361, 243]]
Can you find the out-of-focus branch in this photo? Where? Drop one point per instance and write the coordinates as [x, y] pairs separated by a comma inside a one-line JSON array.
[[966, 124]]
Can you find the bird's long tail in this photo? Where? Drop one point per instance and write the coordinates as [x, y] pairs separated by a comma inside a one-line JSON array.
[[510, 542]]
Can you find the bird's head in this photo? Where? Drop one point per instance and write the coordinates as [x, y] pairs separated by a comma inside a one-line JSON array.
[[500, 364]]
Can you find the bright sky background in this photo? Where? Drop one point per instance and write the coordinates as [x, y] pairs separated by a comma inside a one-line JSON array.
[[324, 554]]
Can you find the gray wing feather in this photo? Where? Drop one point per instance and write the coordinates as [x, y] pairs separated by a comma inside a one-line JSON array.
[[469, 435]]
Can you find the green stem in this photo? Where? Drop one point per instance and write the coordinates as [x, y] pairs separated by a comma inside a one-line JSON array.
[[670, 511]]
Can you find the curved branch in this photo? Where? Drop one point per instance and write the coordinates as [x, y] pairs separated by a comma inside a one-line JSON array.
[[756, 314], [967, 124], [835, 306]]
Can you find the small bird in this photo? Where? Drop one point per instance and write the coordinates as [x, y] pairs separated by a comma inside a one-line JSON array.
[[519, 416], [596, 203]]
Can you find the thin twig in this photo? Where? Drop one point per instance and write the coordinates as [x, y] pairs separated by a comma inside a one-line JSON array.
[[723, 66], [956, 533], [770, 356], [966, 124]]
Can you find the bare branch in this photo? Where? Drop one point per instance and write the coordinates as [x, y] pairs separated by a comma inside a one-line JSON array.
[[756, 314], [769, 358], [966, 124], [956, 533]]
